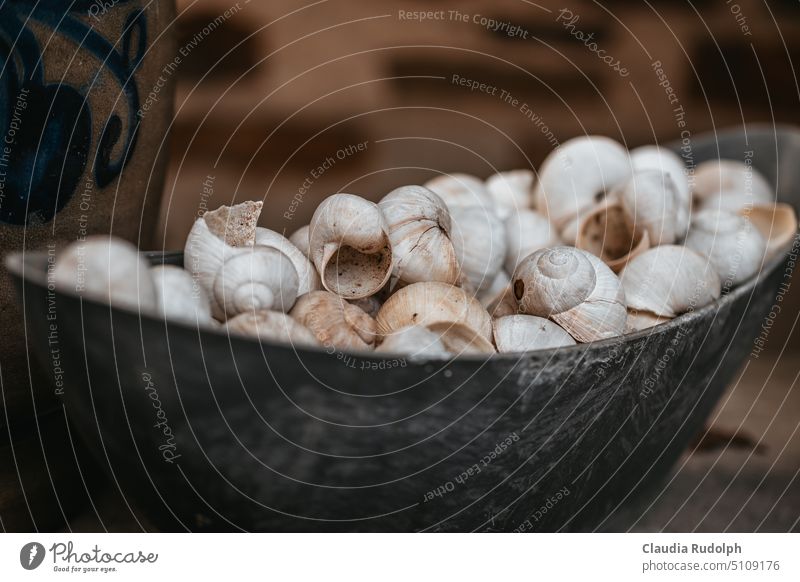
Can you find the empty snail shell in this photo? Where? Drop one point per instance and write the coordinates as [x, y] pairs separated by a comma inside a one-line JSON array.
[[653, 157], [777, 223], [106, 269], [255, 279], [522, 333], [715, 180], [414, 341], [335, 323], [180, 297], [733, 245], [641, 320], [498, 287], [504, 304], [511, 191], [370, 305], [576, 176], [479, 239], [307, 275], [272, 325], [528, 231], [461, 340], [649, 201], [349, 244], [431, 304], [214, 237], [573, 288], [299, 238], [607, 233], [727, 201], [419, 230], [460, 190], [670, 280]]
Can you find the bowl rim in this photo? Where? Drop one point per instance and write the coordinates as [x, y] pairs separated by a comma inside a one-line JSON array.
[[17, 262]]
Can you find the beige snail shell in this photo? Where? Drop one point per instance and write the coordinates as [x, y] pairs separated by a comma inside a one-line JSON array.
[[419, 229], [335, 323], [255, 279], [431, 304], [349, 245], [573, 288], [107, 269], [777, 223], [607, 233], [523, 333], [670, 280], [272, 325]]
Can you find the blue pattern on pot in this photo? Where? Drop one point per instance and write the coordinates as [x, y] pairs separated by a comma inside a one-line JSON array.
[[46, 137]]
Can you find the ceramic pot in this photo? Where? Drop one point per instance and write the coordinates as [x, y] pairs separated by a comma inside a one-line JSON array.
[[85, 104]]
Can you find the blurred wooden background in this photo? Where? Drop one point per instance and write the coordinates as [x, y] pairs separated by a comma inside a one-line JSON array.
[[277, 88]]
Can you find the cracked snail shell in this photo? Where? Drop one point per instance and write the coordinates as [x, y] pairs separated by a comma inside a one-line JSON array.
[[419, 229]]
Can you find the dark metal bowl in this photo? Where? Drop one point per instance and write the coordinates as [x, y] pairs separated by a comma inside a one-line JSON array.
[[205, 431]]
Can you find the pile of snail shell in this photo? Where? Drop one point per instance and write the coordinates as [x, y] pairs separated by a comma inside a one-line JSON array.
[[600, 242]]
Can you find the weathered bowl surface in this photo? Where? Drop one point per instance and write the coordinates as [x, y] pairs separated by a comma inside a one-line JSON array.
[[205, 432]]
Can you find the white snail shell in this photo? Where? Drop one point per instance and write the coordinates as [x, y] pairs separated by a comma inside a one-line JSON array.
[[716, 180], [349, 244], [528, 231], [653, 157], [649, 200], [479, 239], [272, 325], [460, 190], [307, 275], [576, 176], [299, 238], [419, 229], [496, 290], [180, 297], [214, 238], [511, 191], [731, 242], [335, 322], [504, 304], [641, 320], [522, 333], [573, 288], [670, 280], [255, 279], [106, 269], [414, 341]]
